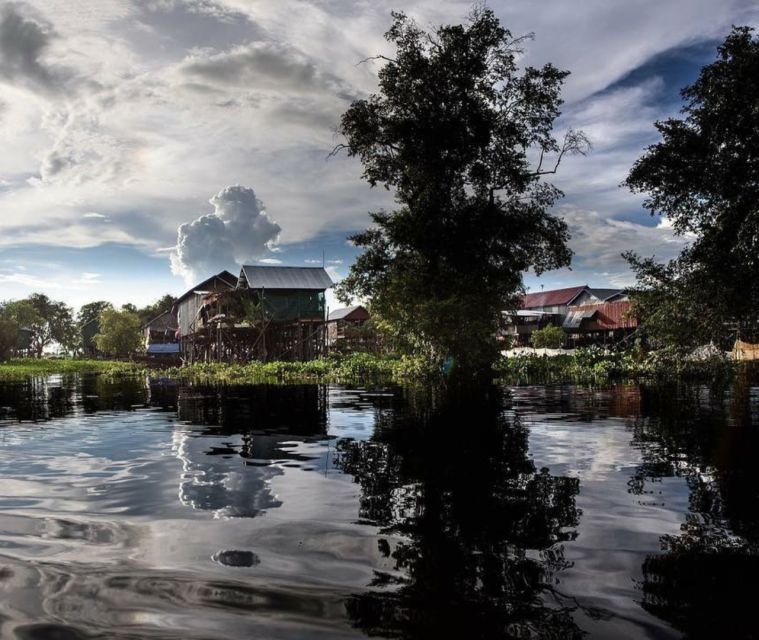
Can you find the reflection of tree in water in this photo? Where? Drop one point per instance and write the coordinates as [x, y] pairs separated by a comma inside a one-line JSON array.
[[477, 528], [42, 398], [704, 581]]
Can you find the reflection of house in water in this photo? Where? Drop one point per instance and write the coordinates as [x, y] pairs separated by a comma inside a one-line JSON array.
[[233, 440]]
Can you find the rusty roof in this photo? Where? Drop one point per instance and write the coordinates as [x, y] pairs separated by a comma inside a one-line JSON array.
[[556, 297], [607, 316]]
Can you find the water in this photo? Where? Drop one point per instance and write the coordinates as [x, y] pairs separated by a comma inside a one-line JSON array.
[[139, 510]]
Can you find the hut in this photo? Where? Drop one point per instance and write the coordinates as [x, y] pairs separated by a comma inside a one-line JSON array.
[[271, 313], [341, 321], [290, 305], [160, 330], [190, 311]]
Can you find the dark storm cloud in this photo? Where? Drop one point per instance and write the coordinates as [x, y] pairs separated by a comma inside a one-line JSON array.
[[23, 42]]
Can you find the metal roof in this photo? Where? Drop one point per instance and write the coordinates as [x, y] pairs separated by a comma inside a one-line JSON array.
[[605, 294], [224, 276], [339, 314], [265, 277], [556, 297], [163, 349], [608, 315], [574, 318]]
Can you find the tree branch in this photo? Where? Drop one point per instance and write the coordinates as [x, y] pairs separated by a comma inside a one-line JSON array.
[[575, 143]]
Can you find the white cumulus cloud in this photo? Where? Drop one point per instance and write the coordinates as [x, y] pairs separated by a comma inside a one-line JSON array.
[[237, 232]]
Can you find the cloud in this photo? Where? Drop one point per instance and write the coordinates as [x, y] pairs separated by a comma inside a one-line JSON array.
[[261, 66], [237, 232], [270, 261], [23, 43], [598, 243]]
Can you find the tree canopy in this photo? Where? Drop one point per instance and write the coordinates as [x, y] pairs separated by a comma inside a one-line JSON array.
[[119, 332], [463, 138], [49, 321], [704, 177]]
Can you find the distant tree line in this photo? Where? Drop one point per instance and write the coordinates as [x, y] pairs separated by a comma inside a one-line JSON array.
[[35, 324]]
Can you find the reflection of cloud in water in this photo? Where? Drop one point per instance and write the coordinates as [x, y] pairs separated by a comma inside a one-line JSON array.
[[224, 484]]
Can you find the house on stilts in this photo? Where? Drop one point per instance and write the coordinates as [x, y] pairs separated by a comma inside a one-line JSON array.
[[270, 313]]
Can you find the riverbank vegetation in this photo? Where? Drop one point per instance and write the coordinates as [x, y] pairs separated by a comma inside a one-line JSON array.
[[30, 367], [354, 368], [594, 365]]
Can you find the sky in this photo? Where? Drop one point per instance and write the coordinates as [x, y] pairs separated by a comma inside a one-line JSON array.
[[148, 143]]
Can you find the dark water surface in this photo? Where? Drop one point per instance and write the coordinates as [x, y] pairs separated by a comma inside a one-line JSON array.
[[149, 510]]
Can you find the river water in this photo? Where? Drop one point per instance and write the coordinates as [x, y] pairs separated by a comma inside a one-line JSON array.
[[145, 509]]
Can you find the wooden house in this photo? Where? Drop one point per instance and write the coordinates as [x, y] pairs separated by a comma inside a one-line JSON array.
[[271, 313], [341, 319], [543, 308], [190, 309], [161, 330], [160, 334], [600, 323]]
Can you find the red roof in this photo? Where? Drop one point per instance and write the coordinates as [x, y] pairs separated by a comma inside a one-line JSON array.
[[551, 298], [608, 316]]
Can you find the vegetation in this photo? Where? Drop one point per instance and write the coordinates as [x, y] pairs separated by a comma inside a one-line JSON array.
[[549, 337], [594, 365], [119, 333], [26, 367], [49, 321], [452, 131], [352, 368], [8, 337], [703, 176]]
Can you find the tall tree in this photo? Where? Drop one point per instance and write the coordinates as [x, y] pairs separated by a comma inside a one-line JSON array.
[[88, 322], [463, 138], [163, 304], [9, 336], [704, 177], [119, 333], [91, 311], [50, 321]]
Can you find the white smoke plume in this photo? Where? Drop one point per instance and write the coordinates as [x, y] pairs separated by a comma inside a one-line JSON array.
[[237, 232]]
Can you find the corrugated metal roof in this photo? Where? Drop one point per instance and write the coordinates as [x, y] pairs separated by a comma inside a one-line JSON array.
[[574, 318], [339, 314], [224, 276], [552, 298], [163, 349], [265, 277], [608, 316]]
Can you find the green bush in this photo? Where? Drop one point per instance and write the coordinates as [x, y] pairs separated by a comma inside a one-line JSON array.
[[549, 337]]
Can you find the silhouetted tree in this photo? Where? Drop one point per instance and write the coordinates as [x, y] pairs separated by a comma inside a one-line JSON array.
[[704, 177], [463, 139]]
